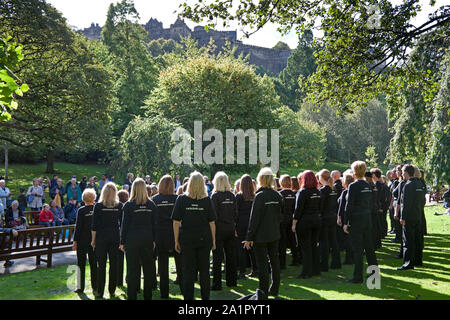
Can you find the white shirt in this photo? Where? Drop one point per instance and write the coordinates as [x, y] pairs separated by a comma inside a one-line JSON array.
[[4, 195]]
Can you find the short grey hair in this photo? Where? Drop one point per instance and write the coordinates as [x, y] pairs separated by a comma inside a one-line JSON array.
[[15, 202]]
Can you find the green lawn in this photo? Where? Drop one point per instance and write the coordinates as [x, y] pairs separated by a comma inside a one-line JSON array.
[[432, 281]]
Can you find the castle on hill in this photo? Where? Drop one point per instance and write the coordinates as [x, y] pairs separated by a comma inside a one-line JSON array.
[[272, 60]]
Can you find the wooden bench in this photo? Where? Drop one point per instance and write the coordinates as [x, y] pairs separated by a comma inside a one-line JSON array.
[[37, 242], [32, 219]]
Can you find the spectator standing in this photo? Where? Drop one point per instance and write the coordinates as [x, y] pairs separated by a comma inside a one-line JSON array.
[[53, 182], [148, 181], [177, 182], [57, 193], [22, 200], [128, 181], [74, 191], [5, 195], [83, 183], [93, 185], [34, 196], [103, 181], [44, 185]]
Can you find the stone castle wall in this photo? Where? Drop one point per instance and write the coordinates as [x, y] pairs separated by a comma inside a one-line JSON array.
[[272, 60]]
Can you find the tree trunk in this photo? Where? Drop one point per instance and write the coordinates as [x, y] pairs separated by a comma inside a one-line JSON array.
[[6, 161], [50, 161]]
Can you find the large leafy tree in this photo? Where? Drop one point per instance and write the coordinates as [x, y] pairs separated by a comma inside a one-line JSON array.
[[135, 71], [10, 56], [68, 103], [300, 65], [364, 48]]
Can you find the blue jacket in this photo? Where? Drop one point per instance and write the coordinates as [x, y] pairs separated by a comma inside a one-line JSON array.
[[70, 211], [70, 195]]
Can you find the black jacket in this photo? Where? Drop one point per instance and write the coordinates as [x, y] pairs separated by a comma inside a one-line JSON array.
[[375, 199], [398, 191], [264, 225], [105, 221], [359, 201], [244, 208], [138, 224], [195, 216], [412, 201], [308, 204], [329, 206], [289, 205], [225, 206], [338, 187], [342, 201], [164, 225], [83, 235]]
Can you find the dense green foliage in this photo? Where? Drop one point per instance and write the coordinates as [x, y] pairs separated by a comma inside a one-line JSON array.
[[10, 56]]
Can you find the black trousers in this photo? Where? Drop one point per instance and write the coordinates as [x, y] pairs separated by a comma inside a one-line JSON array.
[[327, 241], [391, 218], [120, 258], [411, 242], [193, 260], [244, 254], [225, 248], [287, 240], [104, 251], [308, 234], [376, 239], [383, 224], [82, 252], [163, 269], [137, 256], [361, 239], [348, 248], [265, 253]]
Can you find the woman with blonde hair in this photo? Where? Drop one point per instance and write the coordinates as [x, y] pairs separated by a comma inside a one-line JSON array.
[[137, 239], [165, 201], [224, 203], [328, 238], [195, 234], [264, 231], [106, 237]]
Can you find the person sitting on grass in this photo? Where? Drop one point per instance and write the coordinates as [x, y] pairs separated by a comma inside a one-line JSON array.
[[15, 218], [58, 214], [71, 210], [46, 217]]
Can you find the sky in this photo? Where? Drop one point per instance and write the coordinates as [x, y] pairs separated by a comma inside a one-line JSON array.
[[81, 13]]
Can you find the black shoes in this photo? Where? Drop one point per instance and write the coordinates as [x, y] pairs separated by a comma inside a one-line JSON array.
[[303, 276], [216, 288], [253, 274], [8, 263]]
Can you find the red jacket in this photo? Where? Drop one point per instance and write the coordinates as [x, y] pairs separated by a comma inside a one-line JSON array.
[[45, 216]]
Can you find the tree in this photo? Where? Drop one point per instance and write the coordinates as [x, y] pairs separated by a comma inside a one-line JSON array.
[[364, 48], [220, 90], [300, 65], [302, 143], [68, 104], [281, 46], [145, 148], [136, 72], [371, 157], [10, 56]]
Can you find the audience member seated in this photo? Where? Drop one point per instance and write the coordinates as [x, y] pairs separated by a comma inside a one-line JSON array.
[[71, 210], [12, 233], [46, 217], [58, 214], [15, 218]]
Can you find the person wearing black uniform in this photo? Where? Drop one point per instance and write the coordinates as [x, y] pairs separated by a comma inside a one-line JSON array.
[[419, 175], [396, 205], [195, 235], [106, 237], [123, 196], [381, 200], [244, 202], [137, 239], [375, 231], [306, 222], [224, 203], [327, 238], [287, 236], [392, 176], [410, 216], [398, 194], [357, 221], [337, 185], [82, 241], [165, 240], [264, 231], [342, 201]]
